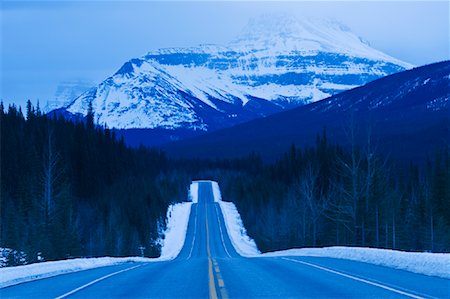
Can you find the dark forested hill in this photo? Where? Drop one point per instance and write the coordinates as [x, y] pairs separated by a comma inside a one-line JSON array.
[[406, 116]]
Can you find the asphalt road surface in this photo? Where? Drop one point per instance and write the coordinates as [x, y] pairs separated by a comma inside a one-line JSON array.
[[209, 267]]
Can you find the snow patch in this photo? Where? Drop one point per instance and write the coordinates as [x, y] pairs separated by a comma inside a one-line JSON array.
[[432, 264], [193, 192], [7, 255], [243, 244], [15, 275], [216, 192], [175, 234]]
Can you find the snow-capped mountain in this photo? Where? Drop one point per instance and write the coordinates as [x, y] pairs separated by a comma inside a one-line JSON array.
[[277, 62]]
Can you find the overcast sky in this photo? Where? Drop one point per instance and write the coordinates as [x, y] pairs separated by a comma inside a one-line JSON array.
[[44, 43]]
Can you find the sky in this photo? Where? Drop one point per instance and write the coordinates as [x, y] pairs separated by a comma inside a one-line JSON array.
[[46, 43]]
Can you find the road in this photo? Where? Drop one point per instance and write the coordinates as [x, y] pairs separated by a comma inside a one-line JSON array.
[[209, 266]]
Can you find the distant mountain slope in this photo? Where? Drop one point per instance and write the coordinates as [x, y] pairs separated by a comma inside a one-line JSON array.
[[407, 113], [278, 62], [66, 92]]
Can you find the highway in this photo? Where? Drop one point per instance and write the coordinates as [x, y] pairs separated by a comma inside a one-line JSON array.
[[209, 267]]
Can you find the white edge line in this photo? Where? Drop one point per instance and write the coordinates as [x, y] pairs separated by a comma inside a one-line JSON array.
[[95, 281], [195, 231], [355, 278], [221, 232]]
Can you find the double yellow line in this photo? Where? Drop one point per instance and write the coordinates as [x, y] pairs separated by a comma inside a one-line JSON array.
[[213, 269]]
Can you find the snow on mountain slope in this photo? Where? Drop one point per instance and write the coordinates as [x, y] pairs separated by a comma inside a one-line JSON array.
[[281, 33], [278, 62]]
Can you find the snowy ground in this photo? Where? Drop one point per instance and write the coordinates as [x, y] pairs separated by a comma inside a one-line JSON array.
[[193, 192], [14, 275], [243, 244], [216, 192], [175, 233]]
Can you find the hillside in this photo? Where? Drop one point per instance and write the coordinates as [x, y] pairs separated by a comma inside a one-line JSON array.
[[407, 114]]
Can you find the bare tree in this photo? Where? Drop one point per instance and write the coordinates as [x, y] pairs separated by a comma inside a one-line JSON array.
[[51, 176], [55, 205], [351, 190], [316, 201]]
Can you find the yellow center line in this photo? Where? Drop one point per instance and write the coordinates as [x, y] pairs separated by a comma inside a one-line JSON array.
[[221, 283], [212, 285], [213, 267]]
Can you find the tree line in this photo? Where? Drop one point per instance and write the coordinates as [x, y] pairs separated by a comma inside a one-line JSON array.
[[327, 195], [71, 189]]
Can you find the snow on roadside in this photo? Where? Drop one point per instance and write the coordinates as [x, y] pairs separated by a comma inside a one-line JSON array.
[[15, 275], [216, 192], [193, 192], [432, 264], [243, 244], [175, 234]]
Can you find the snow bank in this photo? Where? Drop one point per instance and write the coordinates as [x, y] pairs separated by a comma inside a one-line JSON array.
[[432, 264], [243, 244], [14, 275], [175, 234], [216, 192], [193, 192]]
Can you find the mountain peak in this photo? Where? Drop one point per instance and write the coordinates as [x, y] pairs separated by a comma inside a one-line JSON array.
[[275, 31], [286, 33]]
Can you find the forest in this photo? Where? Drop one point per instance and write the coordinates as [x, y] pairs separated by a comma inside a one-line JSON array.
[[73, 189], [327, 196]]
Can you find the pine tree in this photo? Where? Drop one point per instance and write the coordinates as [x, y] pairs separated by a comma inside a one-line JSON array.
[[90, 117]]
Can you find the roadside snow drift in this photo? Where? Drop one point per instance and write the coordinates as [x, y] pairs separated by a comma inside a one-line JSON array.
[[193, 192], [432, 264], [216, 192], [15, 275], [175, 234], [243, 244]]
